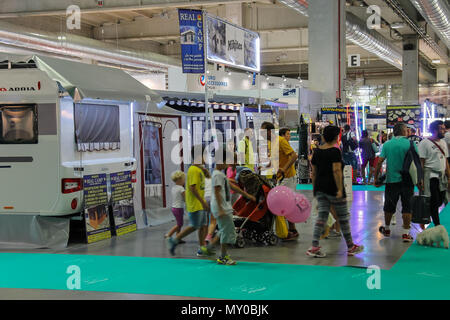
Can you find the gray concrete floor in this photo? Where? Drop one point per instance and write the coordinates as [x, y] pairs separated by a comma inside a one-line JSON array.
[[366, 217]]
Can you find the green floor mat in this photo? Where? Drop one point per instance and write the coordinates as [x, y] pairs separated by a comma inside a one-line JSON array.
[[421, 273], [354, 187]]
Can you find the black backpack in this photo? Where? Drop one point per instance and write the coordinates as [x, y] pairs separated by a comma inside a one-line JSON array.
[[412, 171], [348, 142]]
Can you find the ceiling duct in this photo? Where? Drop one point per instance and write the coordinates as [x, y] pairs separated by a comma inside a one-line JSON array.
[[437, 14], [80, 47], [358, 33]]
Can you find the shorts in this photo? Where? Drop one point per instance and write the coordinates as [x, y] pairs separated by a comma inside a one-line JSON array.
[[198, 219], [227, 230], [178, 214], [393, 192], [370, 161], [350, 159]]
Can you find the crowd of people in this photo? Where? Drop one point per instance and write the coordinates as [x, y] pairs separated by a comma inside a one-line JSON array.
[[209, 198]]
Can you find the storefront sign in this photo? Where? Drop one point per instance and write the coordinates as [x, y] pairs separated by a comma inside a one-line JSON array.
[[96, 208], [122, 202], [403, 114], [339, 110], [232, 45], [192, 40]]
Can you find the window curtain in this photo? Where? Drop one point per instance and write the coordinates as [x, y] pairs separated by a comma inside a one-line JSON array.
[[97, 127]]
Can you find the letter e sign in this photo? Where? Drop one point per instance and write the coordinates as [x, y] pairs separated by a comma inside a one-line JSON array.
[[354, 60]]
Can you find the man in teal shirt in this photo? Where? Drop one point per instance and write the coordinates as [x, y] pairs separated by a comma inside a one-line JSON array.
[[394, 151]]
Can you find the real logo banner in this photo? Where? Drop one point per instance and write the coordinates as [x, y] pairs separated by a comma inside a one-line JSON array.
[[232, 45], [122, 202], [191, 38], [96, 208]]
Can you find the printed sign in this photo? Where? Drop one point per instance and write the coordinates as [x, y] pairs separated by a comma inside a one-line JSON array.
[[354, 60], [96, 208], [192, 40], [289, 92], [405, 114], [122, 202], [232, 45]]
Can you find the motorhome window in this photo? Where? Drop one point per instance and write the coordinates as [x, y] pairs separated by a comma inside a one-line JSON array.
[[18, 124], [97, 127]]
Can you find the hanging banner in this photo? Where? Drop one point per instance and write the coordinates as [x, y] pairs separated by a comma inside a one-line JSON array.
[[192, 40], [96, 208], [403, 114], [231, 45], [122, 202]]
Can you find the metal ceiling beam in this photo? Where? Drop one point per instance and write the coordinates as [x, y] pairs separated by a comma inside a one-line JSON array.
[[105, 9]]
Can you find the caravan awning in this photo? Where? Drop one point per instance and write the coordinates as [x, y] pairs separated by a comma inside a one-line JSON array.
[[83, 80]]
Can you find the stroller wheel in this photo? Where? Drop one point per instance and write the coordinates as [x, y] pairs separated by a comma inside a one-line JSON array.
[[272, 240], [240, 242]]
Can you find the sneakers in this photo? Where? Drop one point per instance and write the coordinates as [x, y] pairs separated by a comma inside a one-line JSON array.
[[355, 250], [171, 243], [226, 261], [407, 238], [384, 232], [315, 252], [204, 252]]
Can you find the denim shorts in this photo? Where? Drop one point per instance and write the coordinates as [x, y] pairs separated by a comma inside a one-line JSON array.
[[198, 219]]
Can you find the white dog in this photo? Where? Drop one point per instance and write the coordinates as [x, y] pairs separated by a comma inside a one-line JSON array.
[[433, 235]]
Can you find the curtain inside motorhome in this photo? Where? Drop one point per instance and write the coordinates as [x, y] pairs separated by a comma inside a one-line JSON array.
[[97, 127], [152, 153]]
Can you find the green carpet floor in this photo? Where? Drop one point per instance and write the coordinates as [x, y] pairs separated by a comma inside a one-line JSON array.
[[422, 273]]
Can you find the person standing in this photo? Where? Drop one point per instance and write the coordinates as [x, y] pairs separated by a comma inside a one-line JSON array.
[[447, 136], [412, 136], [245, 150], [349, 145], [328, 189], [284, 165], [394, 151], [368, 155], [433, 155]]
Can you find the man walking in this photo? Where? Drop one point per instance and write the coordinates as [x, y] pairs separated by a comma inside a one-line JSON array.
[[349, 145], [245, 150], [394, 151], [433, 155]]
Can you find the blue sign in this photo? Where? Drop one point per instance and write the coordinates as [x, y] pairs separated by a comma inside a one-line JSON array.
[[289, 92], [191, 38]]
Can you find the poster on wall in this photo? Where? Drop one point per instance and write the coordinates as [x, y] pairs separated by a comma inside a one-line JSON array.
[[192, 40], [96, 208], [231, 45], [122, 202], [405, 114]]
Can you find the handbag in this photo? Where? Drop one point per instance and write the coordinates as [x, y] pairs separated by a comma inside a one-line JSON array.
[[420, 205], [281, 228]]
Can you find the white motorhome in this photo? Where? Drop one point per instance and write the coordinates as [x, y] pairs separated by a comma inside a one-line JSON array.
[[61, 120]]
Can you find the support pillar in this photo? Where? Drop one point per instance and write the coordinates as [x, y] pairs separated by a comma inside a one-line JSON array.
[[442, 74], [327, 56], [410, 74]]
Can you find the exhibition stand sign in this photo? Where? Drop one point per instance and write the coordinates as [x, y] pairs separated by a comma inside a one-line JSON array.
[[342, 110], [96, 208], [403, 114], [192, 40], [122, 202], [232, 45]]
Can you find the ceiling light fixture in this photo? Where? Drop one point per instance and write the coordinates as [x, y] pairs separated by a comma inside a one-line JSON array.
[[436, 61], [397, 25]]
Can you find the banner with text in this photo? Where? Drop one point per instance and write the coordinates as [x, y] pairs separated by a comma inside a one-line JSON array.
[[96, 208], [231, 45], [192, 40], [122, 202], [339, 110], [405, 114]]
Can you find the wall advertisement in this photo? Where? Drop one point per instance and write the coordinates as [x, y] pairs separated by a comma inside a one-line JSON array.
[[192, 40]]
